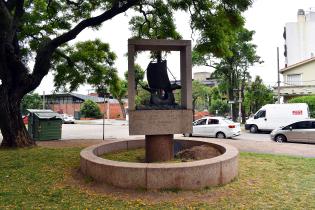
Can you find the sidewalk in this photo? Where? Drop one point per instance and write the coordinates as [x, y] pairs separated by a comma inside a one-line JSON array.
[[100, 122]]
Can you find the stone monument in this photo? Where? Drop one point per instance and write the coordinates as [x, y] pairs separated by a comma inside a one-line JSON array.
[[164, 118]]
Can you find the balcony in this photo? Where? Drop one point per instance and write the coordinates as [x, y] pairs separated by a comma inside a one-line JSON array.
[[291, 91]]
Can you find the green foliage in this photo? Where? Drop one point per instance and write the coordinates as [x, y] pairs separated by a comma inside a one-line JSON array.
[[201, 95], [257, 95], [31, 101], [158, 22], [86, 62], [90, 109], [219, 107], [142, 97], [215, 22], [43, 20], [310, 100], [139, 75], [118, 90], [232, 69]]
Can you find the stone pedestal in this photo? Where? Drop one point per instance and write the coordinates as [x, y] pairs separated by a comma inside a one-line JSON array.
[[159, 148]]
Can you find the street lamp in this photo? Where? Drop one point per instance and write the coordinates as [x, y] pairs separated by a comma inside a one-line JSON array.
[[240, 103], [105, 102]]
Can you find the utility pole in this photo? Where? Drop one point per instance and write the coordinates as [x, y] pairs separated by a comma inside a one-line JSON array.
[[104, 118], [240, 103], [108, 104], [278, 68], [43, 99]]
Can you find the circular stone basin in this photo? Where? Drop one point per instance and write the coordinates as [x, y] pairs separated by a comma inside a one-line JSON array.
[[184, 175]]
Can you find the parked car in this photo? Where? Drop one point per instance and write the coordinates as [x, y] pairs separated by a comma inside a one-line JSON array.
[[67, 118], [301, 131], [272, 116], [218, 127]]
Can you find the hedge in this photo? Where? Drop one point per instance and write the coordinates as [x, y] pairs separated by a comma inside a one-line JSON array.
[[310, 100]]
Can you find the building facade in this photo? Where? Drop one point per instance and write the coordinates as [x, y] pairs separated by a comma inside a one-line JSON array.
[[299, 38], [70, 103], [205, 78], [299, 80]]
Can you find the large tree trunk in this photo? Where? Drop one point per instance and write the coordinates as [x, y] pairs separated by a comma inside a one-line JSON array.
[[122, 107], [234, 105], [243, 97], [193, 108], [11, 124]]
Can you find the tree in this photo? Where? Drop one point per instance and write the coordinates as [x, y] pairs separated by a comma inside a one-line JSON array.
[[232, 68], [40, 30], [90, 109], [86, 62], [139, 76], [310, 100], [257, 95], [219, 107], [31, 101], [119, 90], [200, 96]]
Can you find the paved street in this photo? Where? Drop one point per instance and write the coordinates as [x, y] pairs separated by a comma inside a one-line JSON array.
[[117, 131], [247, 142]]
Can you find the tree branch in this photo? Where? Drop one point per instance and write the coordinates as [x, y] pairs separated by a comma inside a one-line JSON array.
[[11, 4], [18, 13], [146, 21], [77, 4], [68, 59], [44, 54], [5, 17]]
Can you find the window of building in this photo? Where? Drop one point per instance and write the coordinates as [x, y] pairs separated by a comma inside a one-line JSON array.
[[294, 79]]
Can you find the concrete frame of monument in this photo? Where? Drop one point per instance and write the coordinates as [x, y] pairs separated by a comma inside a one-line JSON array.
[[159, 126]]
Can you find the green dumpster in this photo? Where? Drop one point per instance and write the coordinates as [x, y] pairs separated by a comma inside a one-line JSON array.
[[44, 125]]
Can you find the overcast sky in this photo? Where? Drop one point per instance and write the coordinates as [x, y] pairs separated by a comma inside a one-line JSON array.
[[266, 17]]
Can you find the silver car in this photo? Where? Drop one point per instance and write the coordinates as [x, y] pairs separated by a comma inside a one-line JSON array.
[[301, 131]]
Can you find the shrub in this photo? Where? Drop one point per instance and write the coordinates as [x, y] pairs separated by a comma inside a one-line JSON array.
[[310, 100], [219, 105], [90, 109]]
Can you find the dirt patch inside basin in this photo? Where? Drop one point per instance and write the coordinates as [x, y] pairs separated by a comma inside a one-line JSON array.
[[191, 154], [198, 153]]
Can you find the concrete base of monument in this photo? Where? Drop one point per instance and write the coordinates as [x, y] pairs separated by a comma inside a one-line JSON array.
[[159, 148], [184, 175]]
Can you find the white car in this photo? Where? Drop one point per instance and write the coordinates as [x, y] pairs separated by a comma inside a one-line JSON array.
[[218, 127], [67, 118]]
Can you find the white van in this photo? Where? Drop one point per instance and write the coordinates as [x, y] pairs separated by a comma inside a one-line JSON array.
[[272, 116]]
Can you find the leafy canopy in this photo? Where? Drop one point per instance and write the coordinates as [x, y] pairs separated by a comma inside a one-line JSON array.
[[90, 109], [257, 95], [213, 22], [86, 62], [31, 101]]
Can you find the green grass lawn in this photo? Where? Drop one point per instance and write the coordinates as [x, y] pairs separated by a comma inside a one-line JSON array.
[[34, 179]]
